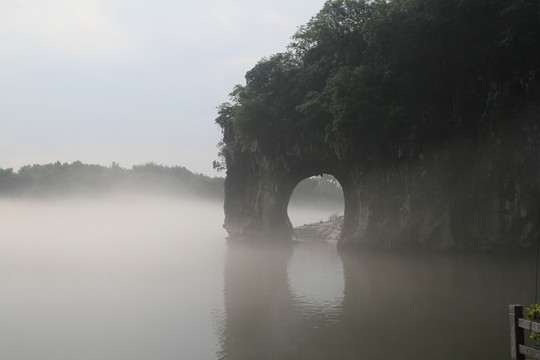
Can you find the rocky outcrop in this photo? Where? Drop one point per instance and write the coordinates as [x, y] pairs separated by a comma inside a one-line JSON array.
[[472, 191], [476, 192], [434, 136], [259, 185], [323, 230]]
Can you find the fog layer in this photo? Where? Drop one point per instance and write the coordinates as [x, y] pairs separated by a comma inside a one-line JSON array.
[[135, 277], [123, 277], [111, 279]]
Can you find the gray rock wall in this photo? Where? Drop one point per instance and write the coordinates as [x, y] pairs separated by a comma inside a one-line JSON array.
[[476, 191], [468, 193]]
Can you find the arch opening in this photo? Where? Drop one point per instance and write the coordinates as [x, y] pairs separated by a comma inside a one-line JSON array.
[[315, 200], [316, 210]]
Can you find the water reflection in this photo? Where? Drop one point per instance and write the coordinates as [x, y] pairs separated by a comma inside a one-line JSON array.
[[406, 306], [433, 306], [144, 278], [258, 304], [315, 276]]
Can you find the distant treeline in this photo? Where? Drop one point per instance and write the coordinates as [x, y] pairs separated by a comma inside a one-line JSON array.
[[57, 179], [65, 178], [318, 189]]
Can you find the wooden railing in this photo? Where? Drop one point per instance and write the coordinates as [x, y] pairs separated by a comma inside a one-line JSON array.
[[518, 325]]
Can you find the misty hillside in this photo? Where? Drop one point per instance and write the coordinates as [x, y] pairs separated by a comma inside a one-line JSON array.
[[58, 179], [65, 179]]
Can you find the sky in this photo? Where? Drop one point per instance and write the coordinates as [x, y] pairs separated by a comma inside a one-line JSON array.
[[129, 81]]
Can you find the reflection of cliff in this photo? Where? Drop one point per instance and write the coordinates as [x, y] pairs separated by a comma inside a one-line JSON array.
[[438, 307], [257, 303], [404, 306], [263, 320]]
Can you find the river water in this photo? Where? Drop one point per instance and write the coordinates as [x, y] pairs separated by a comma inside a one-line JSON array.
[[153, 278]]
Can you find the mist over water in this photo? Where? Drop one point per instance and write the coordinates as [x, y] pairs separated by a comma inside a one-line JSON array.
[[135, 277], [119, 278]]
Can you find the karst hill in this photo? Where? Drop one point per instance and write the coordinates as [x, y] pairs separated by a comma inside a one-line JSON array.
[[426, 111]]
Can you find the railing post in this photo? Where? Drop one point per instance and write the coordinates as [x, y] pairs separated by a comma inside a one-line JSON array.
[[517, 334]]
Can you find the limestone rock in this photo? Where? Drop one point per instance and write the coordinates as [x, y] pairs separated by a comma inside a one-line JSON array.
[[324, 230]]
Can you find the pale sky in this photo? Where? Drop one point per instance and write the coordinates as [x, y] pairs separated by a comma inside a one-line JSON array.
[[129, 81]]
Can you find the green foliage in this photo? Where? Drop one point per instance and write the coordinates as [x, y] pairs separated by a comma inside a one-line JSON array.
[[77, 178], [364, 77], [265, 105], [335, 217], [334, 35], [533, 314]]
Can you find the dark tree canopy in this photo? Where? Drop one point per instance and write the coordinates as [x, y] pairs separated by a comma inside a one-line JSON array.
[[363, 77]]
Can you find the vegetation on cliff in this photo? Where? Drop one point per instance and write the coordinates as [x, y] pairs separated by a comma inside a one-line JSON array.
[[386, 79]]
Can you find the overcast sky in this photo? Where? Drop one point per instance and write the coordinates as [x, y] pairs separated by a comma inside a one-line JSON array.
[[129, 81]]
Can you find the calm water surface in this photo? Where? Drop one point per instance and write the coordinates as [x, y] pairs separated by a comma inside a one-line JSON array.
[[153, 278]]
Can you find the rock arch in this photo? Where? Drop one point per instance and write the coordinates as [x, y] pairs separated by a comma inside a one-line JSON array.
[[258, 189], [468, 194]]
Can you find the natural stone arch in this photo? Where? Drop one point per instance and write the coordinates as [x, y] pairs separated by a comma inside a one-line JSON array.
[[439, 200], [258, 189]]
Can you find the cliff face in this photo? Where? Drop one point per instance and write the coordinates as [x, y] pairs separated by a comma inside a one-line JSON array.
[[255, 195], [259, 185], [478, 191]]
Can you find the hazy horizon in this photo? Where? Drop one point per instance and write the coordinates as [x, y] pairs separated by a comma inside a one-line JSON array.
[[112, 164]]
